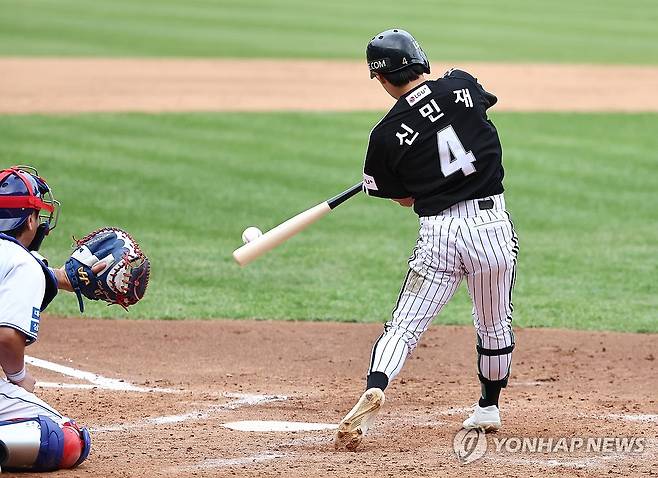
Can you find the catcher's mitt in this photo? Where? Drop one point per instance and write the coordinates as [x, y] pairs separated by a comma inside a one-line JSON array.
[[124, 276]]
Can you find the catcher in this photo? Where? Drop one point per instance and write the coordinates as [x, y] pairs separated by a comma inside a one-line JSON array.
[[107, 265]]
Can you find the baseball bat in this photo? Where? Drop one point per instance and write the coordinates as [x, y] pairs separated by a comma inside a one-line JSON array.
[[284, 231]]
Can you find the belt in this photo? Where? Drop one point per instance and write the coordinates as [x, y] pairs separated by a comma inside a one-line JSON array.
[[485, 204]]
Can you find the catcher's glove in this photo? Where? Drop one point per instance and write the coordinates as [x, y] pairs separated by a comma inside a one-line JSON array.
[[125, 274]]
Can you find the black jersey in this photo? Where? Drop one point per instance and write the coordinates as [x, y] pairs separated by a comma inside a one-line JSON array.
[[436, 145]]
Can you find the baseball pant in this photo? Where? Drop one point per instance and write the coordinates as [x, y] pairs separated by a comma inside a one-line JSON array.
[[475, 240], [16, 402]]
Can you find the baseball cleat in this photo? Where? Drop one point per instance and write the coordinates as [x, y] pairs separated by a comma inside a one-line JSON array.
[[356, 423], [486, 419]]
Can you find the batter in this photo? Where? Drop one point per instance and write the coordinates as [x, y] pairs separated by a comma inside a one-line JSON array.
[[437, 151]]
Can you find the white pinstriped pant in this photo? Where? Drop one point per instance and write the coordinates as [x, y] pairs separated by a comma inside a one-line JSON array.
[[463, 241]]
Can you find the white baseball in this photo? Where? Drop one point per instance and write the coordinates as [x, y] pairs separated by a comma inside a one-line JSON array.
[[250, 234]]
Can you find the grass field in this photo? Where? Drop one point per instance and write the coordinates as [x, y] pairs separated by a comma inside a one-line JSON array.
[[187, 184], [614, 31]]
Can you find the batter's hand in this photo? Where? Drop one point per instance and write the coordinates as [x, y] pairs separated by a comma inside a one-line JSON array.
[[405, 202], [27, 383]]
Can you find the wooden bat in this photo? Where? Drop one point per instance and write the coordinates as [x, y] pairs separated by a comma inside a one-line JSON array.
[[279, 234]]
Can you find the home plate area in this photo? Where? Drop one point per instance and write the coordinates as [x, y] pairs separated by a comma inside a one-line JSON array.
[[252, 398]]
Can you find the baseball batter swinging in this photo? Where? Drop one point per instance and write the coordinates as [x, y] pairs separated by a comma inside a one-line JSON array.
[[437, 151]]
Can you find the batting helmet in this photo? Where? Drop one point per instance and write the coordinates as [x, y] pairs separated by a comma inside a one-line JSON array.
[[394, 50], [22, 192]]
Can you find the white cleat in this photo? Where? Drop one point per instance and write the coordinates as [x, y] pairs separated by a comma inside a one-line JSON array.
[[486, 419], [356, 423]]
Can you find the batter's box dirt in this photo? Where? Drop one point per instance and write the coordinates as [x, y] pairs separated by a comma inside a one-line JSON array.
[[564, 384]]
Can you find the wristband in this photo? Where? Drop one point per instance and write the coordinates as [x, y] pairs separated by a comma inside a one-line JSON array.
[[18, 376]]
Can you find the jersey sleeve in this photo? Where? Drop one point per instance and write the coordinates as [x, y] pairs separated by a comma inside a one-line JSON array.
[[21, 294], [379, 179], [488, 99]]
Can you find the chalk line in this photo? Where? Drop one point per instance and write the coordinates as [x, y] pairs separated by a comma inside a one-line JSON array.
[[79, 386], [97, 380], [576, 463], [528, 383], [634, 417], [241, 400], [454, 411], [228, 462], [277, 426]]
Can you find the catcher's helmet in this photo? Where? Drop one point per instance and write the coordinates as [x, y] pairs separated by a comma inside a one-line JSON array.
[[22, 191], [394, 50]]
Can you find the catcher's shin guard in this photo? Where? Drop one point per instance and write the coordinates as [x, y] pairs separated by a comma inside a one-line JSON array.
[[41, 444]]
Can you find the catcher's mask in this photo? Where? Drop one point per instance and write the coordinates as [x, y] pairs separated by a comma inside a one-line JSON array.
[[22, 192], [394, 50]]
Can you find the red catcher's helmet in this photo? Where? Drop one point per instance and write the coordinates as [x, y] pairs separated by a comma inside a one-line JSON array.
[[22, 191]]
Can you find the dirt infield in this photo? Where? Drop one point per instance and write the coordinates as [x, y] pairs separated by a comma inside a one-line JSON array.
[[154, 85], [205, 374], [158, 395]]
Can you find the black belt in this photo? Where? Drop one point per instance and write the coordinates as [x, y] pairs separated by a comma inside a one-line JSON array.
[[486, 204]]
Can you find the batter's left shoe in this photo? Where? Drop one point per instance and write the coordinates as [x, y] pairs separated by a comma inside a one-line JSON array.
[[356, 423], [486, 419]]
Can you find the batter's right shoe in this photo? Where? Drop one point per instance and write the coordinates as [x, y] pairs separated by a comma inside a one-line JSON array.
[[354, 426], [486, 419]]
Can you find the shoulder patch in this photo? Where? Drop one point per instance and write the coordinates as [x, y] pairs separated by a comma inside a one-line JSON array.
[[369, 182], [418, 95]]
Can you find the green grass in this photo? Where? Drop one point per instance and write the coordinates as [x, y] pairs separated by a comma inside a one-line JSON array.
[[581, 188], [617, 31]]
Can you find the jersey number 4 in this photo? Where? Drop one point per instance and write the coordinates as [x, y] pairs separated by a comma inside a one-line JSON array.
[[452, 154]]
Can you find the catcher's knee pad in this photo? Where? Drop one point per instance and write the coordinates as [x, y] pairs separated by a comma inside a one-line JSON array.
[[41, 444]]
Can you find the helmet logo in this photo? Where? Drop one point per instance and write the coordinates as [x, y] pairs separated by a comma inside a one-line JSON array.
[[379, 64], [404, 60]]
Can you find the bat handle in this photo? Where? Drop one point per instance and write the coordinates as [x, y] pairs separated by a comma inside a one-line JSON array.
[[339, 199]]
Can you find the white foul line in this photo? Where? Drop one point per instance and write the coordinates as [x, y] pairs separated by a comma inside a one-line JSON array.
[[242, 400], [277, 426], [97, 380]]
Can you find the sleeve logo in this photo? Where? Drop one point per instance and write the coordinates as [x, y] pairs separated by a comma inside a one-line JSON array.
[[369, 182], [34, 325]]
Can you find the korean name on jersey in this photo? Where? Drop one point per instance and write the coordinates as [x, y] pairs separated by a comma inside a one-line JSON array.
[[436, 145]]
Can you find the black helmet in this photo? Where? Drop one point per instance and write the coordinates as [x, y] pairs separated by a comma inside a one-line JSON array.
[[394, 50]]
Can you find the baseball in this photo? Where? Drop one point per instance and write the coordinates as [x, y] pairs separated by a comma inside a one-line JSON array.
[[250, 234]]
